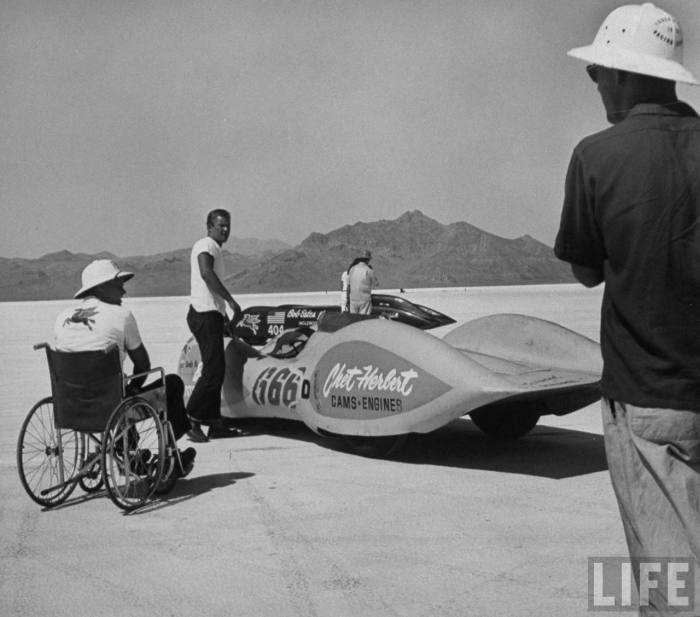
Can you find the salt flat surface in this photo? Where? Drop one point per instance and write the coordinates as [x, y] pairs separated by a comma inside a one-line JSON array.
[[279, 523]]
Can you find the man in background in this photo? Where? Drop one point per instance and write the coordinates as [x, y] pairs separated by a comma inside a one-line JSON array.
[[361, 281], [206, 319], [344, 292], [631, 219]]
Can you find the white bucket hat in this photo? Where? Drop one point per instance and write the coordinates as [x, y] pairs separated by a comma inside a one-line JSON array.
[[98, 272], [639, 38]]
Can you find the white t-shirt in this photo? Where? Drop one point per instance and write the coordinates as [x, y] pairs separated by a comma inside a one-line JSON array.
[[361, 280], [92, 325], [344, 278], [201, 297]]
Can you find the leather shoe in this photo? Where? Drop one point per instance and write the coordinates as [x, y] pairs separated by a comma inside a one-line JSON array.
[[139, 462], [187, 457], [196, 433], [219, 430]]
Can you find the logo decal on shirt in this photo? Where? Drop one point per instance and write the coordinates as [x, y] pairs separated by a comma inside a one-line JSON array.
[[83, 316]]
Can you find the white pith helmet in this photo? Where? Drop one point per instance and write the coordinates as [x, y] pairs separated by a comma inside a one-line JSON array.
[[639, 38], [98, 272]]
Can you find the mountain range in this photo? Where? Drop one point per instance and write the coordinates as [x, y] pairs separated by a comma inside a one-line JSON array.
[[412, 251]]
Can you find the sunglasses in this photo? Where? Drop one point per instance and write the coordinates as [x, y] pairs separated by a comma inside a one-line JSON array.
[[592, 70]]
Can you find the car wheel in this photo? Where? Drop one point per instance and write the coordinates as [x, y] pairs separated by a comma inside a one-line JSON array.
[[505, 424]]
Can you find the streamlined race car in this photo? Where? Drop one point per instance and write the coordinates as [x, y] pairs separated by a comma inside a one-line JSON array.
[[374, 381], [261, 323]]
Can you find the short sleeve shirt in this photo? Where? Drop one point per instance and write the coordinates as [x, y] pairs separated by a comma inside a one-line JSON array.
[[93, 325], [201, 297], [632, 210], [361, 280]]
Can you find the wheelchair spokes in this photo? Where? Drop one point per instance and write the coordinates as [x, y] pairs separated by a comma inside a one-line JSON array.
[[134, 453], [47, 458]]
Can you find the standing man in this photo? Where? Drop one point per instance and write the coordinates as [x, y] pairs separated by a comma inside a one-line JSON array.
[[361, 281], [344, 292], [631, 219], [206, 319]]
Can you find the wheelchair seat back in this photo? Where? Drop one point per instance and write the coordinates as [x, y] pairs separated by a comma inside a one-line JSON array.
[[86, 386]]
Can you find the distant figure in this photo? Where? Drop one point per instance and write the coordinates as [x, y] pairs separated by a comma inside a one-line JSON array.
[[344, 287], [206, 319], [631, 219], [361, 281]]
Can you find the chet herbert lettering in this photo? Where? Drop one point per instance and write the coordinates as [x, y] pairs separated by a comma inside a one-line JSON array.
[[369, 379]]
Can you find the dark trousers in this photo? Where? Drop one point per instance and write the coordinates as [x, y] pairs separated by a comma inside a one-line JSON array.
[[175, 391], [208, 330]]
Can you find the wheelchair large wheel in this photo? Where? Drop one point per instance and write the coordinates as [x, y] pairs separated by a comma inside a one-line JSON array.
[[133, 453], [170, 465], [47, 458]]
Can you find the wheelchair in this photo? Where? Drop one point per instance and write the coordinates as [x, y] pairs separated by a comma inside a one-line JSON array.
[[93, 433]]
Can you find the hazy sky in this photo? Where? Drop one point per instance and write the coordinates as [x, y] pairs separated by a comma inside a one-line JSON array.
[[124, 121]]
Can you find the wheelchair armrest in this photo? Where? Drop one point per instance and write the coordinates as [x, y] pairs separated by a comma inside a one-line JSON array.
[[159, 369]]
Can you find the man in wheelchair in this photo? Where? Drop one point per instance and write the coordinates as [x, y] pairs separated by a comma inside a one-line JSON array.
[[99, 320]]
